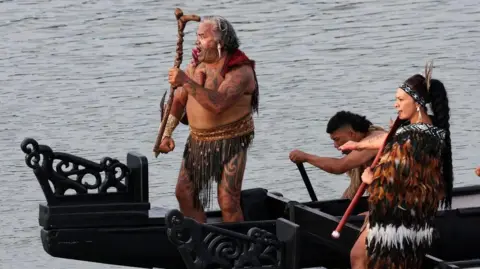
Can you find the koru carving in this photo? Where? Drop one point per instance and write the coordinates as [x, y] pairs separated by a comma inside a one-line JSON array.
[[203, 246], [67, 172]]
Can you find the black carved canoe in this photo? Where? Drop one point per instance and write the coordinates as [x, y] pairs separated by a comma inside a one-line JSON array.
[[110, 221]]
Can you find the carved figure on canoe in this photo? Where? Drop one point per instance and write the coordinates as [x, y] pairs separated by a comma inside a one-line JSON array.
[[219, 95], [413, 177]]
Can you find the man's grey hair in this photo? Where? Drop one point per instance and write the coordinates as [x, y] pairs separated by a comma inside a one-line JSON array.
[[224, 32]]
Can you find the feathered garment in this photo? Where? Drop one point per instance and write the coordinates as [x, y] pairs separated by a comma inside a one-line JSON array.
[[404, 198]]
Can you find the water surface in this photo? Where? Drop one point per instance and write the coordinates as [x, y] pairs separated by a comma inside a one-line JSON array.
[[85, 77]]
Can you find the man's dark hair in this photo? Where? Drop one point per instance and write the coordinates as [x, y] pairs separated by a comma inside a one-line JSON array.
[[346, 118]]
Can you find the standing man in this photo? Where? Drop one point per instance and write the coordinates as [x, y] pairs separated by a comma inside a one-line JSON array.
[[219, 95]]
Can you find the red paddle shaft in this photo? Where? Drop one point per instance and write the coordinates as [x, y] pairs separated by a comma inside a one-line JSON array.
[[361, 189]]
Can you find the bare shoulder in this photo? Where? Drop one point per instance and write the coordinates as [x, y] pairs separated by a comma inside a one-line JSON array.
[[241, 77], [244, 72], [375, 134]]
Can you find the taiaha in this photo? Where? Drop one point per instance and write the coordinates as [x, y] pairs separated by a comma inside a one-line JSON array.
[[181, 22]]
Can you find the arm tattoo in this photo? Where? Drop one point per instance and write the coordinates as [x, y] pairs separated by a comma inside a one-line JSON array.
[[193, 88], [196, 79], [229, 91], [232, 91], [373, 142], [374, 138]]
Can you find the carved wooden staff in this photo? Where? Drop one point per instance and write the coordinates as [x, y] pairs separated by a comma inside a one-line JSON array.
[[363, 186], [181, 22]]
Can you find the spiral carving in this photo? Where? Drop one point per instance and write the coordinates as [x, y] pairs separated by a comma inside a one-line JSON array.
[[70, 171], [225, 248], [32, 150], [204, 245], [63, 165]]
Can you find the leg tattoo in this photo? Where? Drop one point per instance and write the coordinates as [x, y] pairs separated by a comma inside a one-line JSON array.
[[230, 188], [184, 194]]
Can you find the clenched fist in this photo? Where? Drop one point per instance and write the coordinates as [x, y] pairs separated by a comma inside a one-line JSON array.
[[298, 156], [176, 77], [167, 145]]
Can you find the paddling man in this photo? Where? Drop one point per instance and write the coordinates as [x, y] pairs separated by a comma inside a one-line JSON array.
[[342, 127], [219, 95]]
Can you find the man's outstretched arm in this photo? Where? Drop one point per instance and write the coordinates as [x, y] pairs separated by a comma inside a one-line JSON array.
[[341, 165]]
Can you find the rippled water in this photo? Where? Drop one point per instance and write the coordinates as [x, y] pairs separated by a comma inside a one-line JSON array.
[[85, 77]]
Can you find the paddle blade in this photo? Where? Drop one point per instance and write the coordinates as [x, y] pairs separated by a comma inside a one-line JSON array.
[[162, 105]]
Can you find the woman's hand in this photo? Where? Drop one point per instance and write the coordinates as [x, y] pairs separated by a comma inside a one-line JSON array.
[[367, 176]]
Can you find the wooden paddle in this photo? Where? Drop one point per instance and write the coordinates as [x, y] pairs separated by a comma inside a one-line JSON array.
[[181, 22], [363, 186], [307, 182]]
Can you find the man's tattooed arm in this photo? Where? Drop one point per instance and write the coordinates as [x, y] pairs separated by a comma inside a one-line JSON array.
[[229, 91], [374, 141]]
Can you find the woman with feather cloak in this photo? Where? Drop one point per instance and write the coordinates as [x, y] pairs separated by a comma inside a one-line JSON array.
[[412, 179]]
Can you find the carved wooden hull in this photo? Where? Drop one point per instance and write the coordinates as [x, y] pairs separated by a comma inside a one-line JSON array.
[[120, 227]]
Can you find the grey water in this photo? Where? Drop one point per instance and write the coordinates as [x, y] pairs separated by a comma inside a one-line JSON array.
[[85, 77]]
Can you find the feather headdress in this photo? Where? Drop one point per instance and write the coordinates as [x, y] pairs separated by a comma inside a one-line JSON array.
[[428, 73]]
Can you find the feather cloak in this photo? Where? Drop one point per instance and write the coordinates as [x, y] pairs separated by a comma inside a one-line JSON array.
[[404, 198]]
